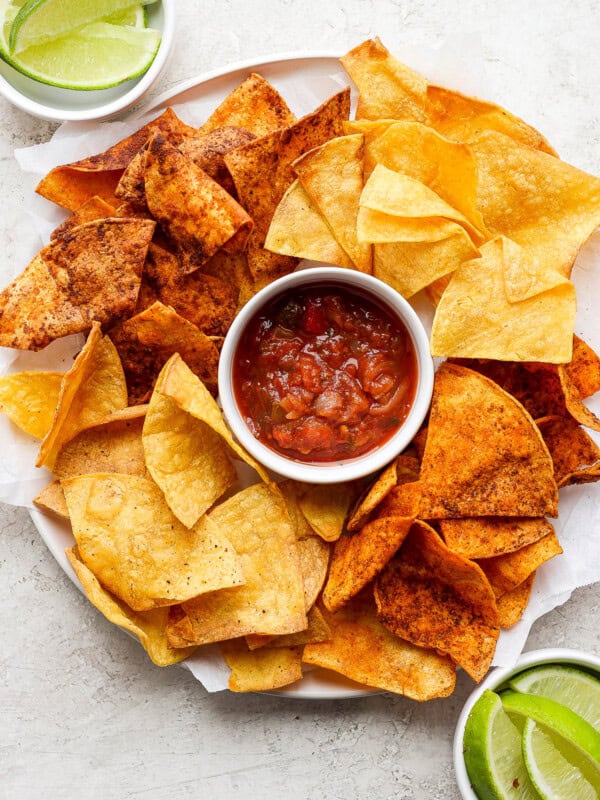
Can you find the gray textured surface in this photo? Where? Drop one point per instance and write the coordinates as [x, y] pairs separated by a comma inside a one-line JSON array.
[[84, 714]]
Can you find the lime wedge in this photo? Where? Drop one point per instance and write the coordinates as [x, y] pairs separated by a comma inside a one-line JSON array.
[[557, 718], [97, 56], [492, 751], [41, 21], [569, 686], [135, 16], [554, 775]]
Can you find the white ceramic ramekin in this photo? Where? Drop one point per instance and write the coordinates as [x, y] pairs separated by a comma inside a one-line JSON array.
[[499, 676], [59, 105], [332, 472]]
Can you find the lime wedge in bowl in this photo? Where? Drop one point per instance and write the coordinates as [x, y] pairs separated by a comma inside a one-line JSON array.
[[572, 687], [557, 770], [492, 753], [134, 15]]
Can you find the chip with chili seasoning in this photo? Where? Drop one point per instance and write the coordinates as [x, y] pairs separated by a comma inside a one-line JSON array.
[[512, 605], [575, 455], [507, 571], [324, 374], [485, 537], [437, 599]]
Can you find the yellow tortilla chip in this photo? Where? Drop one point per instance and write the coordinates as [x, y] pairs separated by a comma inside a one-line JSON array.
[[186, 458], [435, 598], [92, 274], [332, 176], [512, 605], [272, 599], [484, 455], [325, 506], [364, 651], [93, 388], [474, 318], [52, 500], [71, 185], [485, 537], [317, 631], [197, 214], [111, 444], [262, 171], [29, 400], [575, 455], [149, 627], [261, 670], [506, 572], [358, 558], [298, 229], [255, 105], [139, 551]]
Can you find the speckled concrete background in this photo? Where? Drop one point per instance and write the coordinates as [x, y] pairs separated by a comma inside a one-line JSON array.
[[83, 712]]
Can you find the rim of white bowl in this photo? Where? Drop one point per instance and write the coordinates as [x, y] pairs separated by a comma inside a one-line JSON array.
[[331, 472], [498, 676], [103, 110]]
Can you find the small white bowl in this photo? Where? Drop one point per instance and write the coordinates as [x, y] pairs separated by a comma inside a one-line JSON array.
[[349, 469], [499, 676], [59, 105]]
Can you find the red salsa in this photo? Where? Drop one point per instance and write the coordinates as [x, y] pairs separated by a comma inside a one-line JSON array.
[[324, 374]]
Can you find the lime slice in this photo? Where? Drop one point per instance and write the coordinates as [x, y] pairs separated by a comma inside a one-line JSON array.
[[555, 776], [96, 57], [41, 21], [8, 11], [569, 686], [135, 16], [557, 718], [492, 751]]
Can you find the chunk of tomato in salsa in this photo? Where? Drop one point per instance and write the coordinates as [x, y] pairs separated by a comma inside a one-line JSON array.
[[324, 375]]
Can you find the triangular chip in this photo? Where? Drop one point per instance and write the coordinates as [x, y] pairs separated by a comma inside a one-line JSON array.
[[485, 537], [584, 369], [94, 208], [52, 499], [325, 506], [208, 150], [484, 454], [512, 605], [435, 598], [575, 455], [261, 670], [138, 550], [317, 631], [29, 400], [93, 388], [506, 572]]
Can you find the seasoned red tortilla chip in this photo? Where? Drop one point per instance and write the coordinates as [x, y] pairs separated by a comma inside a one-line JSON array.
[[208, 150], [438, 599], [512, 605], [575, 455], [94, 208], [584, 369], [403, 470], [485, 537], [574, 402], [507, 571]]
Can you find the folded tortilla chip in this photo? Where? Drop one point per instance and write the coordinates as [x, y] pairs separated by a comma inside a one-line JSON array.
[[139, 551], [29, 400], [325, 506], [575, 455], [208, 150], [485, 537], [506, 572]]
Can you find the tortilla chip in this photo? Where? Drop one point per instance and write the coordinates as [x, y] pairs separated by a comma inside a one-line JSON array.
[[402, 501], [359, 557], [474, 318], [435, 598], [574, 402], [197, 214], [485, 537], [29, 400], [138, 550], [261, 670], [146, 342], [92, 274], [232, 268], [583, 370], [512, 605], [373, 495], [575, 455], [187, 459], [363, 650], [94, 208], [149, 627], [317, 631], [71, 185], [255, 105], [111, 444], [332, 176], [272, 599], [207, 151], [484, 455], [93, 388], [184, 388], [325, 506], [262, 171], [298, 229], [52, 499], [549, 208], [506, 572]]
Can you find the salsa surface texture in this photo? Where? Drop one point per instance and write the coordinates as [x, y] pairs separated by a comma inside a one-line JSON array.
[[324, 373]]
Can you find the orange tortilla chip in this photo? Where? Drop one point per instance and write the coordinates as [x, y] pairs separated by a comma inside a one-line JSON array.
[[363, 650], [484, 455], [261, 670], [94, 208], [255, 105], [402, 501], [485, 537], [435, 598], [52, 499], [94, 273], [317, 631], [71, 185], [358, 558], [196, 213], [29, 400], [512, 605], [377, 492], [584, 369], [575, 455], [574, 402], [509, 570], [262, 171], [93, 388], [208, 150]]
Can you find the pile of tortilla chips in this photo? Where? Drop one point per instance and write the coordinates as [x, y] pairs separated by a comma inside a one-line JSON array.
[[392, 582]]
